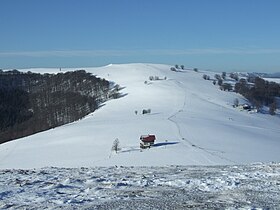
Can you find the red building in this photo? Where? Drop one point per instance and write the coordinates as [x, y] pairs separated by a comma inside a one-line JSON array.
[[146, 141]]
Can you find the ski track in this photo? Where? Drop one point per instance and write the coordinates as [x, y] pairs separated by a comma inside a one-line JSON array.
[[190, 143]]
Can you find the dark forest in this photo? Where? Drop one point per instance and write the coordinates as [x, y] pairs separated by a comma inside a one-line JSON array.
[[33, 102]]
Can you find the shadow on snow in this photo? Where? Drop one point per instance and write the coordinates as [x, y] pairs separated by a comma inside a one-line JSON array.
[[135, 149], [164, 144]]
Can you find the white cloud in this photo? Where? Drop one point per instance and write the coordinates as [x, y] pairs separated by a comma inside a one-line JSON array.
[[171, 52], [215, 51], [64, 53]]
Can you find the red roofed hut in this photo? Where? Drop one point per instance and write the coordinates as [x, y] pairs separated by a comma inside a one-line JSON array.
[[146, 141]]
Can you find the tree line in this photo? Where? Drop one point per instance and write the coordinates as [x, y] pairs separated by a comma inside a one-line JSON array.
[[259, 92], [32, 102]]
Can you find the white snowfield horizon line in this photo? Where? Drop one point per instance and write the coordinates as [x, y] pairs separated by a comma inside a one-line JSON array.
[[119, 53]]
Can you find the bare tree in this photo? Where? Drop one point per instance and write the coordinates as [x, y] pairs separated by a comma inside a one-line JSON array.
[[272, 108], [224, 75], [220, 82], [116, 145]]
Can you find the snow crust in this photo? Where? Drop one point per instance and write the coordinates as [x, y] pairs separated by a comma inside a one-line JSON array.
[[174, 187], [194, 123]]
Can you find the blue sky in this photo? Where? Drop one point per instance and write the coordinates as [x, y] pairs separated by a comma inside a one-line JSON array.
[[222, 35]]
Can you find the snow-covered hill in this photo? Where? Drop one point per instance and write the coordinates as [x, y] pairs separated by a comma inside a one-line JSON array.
[[194, 122]]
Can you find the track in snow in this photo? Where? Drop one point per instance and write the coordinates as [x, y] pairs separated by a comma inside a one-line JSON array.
[[215, 153]]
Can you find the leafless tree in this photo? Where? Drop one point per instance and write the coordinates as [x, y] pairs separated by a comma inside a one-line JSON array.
[[116, 145]]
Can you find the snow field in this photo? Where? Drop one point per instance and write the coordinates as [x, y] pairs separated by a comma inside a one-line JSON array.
[[194, 122]]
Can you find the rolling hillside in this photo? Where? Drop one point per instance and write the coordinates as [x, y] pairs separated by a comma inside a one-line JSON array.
[[193, 120]]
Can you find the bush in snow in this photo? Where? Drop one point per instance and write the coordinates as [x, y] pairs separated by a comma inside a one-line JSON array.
[[206, 77], [151, 78], [146, 111]]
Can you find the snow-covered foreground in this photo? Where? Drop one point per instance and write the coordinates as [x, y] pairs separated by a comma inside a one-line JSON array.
[[174, 187], [194, 122]]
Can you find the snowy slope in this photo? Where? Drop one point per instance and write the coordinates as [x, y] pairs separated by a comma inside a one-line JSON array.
[[194, 122]]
